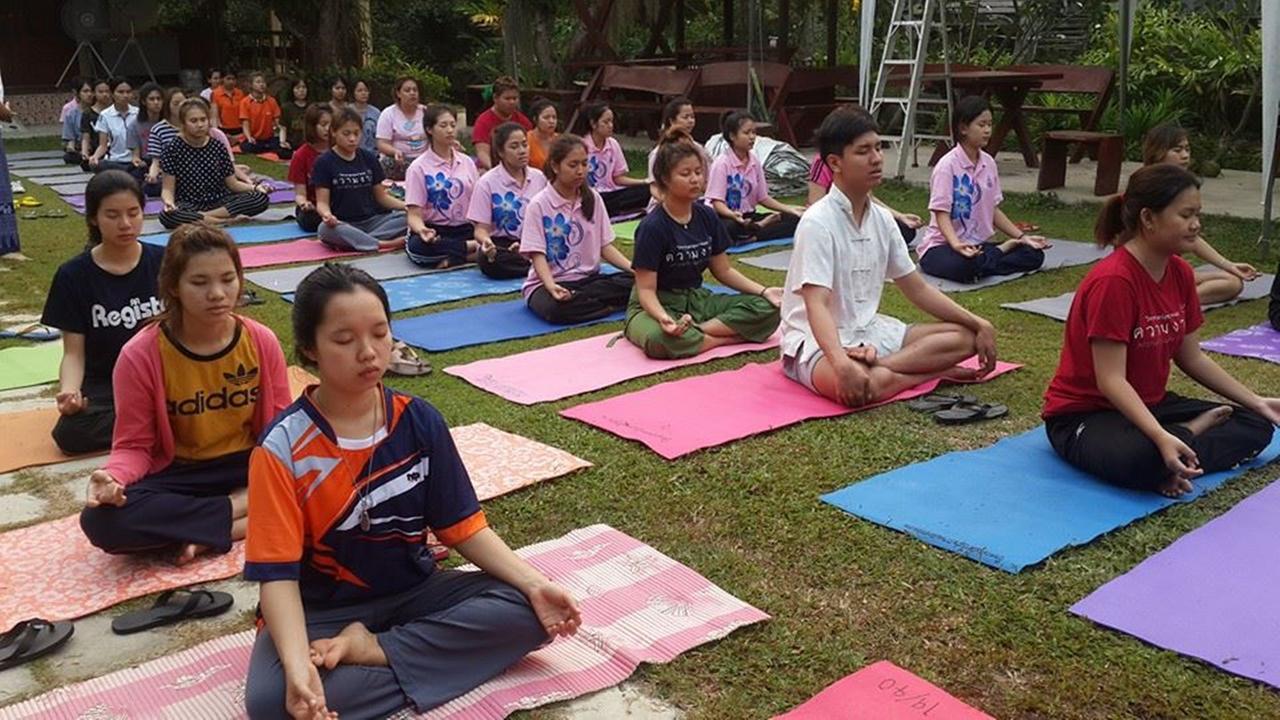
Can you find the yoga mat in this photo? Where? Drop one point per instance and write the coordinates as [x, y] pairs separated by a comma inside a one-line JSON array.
[[50, 176], [27, 365], [722, 407], [1210, 595], [275, 213], [500, 462], [76, 187], [245, 233], [1260, 341], [638, 605], [27, 432], [382, 267], [25, 155], [155, 205], [441, 287], [779, 261], [479, 324], [293, 251], [17, 166], [883, 691], [1010, 505], [51, 571], [538, 375], [1057, 307]]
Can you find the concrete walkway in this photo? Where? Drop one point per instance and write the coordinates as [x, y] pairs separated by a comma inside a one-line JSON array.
[[54, 491]]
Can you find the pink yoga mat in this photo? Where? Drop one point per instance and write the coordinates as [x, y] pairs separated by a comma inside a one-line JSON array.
[[293, 251], [721, 407], [883, 691], [638, 605], [598, 362]]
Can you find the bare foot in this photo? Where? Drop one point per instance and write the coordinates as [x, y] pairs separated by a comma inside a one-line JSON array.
[[189, 553], [1173, 486], [956, 373], [355, 645], [1208, 419]]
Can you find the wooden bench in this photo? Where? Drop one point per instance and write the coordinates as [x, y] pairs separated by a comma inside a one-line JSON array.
[[1081, 80], [722, 87], [810, 94], [1053, 159], [638, 90]]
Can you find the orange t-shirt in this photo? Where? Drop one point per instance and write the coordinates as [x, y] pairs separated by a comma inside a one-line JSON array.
[[538, 151], [262, 116], [228, 105], [211, 398]]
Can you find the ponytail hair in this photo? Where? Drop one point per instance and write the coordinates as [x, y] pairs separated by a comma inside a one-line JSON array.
[[559, 150], [674, 146], [1154, 188], [731, 122]]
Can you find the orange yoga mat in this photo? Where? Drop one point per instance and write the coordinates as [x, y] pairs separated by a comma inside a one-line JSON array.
[[27, 441]]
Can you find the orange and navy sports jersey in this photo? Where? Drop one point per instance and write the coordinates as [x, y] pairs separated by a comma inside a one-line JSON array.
[[307, 490]]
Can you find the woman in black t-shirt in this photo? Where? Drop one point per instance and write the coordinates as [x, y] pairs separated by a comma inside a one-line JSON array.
[[99, 299], [199, 182], [89, 118], [671, 315]]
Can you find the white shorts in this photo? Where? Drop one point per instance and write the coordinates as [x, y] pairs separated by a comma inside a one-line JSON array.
[[885, 334]]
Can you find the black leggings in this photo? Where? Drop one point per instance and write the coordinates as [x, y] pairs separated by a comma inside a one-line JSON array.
[[1105, 444], [626, 200], [1273, 310], [784, 227], [508, 263], [593, 298], [943, 262], [90, 429]]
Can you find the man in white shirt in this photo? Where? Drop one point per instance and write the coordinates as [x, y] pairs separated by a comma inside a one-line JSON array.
[[834, 340]]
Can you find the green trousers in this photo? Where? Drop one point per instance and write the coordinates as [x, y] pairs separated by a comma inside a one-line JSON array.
[[750, 316]]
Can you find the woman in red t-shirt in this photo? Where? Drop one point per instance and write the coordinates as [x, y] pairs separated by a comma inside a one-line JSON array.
[[1107, 411], [316, 121]]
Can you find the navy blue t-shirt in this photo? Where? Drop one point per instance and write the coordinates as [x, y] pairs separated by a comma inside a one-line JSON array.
[[679, 253], [350, 184], [107, 309]]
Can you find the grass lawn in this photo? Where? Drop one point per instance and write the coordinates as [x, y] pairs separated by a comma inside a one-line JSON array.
[[843, 592]]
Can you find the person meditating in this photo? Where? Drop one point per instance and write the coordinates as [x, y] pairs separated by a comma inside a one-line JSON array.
[[834, 340], [1108, 410]]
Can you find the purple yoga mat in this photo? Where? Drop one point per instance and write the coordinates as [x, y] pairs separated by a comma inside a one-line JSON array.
[[1260, 341], [153, 207], [1211, 595]]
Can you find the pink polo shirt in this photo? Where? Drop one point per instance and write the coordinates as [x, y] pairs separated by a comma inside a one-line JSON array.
[[604, 164], [968, 191], [738, 184], [500, 201], [442, 188], [555, 226]]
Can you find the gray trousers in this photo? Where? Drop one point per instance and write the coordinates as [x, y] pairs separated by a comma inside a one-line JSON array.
[[363, 236], [442, 639]]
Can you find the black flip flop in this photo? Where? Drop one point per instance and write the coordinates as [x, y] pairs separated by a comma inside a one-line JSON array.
[[31, 639], [167, 611], [963, 413], [934, 402], [249, 297]]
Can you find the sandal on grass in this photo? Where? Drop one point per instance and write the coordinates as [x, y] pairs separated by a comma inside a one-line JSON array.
[[249, 297], [934, 402], [963, 413], [405, 361], [29, 201], [173, 606], [31, 639]]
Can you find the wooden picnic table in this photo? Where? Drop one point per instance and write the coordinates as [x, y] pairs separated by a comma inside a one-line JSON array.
[[1010, 87]]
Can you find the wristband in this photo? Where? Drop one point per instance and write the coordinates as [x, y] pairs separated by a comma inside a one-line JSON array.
[[763, 290]]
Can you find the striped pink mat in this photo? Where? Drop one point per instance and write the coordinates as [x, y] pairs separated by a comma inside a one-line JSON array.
[[51, 571], [638, 605]]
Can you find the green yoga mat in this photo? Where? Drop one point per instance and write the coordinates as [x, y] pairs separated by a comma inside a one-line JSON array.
[[627, 230], [26, 365]]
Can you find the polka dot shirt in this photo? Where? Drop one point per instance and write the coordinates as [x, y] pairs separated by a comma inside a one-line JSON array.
[[200, 172]]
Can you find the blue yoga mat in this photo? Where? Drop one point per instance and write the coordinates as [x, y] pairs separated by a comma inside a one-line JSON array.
[[246, 234], [477, 325], [1010, 505], [748, 247], [422, 290], [480, 324]]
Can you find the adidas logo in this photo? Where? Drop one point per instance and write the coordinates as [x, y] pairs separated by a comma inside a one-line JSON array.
[[241, 376]]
